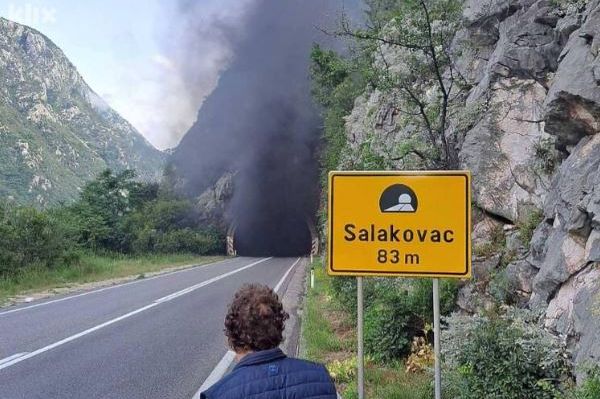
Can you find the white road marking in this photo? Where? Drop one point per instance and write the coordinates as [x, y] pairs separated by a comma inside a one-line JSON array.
[[280, 283], [217, 373], [205, 283], [223, 365], [8, 359], [123, 317], [186, 269]]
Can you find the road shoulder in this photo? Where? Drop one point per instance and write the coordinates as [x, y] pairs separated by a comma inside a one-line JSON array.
[[76, 288], [292, 303]]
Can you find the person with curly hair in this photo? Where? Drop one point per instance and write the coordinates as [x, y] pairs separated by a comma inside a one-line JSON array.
[[254, 329]]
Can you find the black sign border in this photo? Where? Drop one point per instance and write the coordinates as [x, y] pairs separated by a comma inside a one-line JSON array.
[[355, 272]]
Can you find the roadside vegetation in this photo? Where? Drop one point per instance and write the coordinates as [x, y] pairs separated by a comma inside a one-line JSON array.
[[329, 336], [92, 268], [116, 223], [501, 355]]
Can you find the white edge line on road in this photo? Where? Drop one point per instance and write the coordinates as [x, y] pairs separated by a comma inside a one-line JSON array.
[[125, 316], [217, 373], [185, 268], [280, 283], [8, 359], [222, 367]]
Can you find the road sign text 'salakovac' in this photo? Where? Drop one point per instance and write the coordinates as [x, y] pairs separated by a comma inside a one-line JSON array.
[[400, 224]]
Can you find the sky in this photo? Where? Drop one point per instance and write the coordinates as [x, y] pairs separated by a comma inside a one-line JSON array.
[[133, 53]]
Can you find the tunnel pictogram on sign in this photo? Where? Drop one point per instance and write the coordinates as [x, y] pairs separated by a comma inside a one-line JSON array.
[[398, 198]]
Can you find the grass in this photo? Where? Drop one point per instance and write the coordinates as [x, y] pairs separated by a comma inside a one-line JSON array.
[[329, 337], [528, 226], [318, 325], [93, 268], [495, 246]]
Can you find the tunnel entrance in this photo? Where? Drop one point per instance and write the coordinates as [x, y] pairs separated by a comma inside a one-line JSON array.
[[275, 199], [276, 235]]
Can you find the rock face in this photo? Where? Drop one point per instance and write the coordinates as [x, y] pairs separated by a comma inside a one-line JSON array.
[[533, 147], [541, 75], [213, 202], [569, 272], [55, 132]]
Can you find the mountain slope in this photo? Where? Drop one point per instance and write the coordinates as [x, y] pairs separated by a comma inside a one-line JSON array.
[[55, 132]]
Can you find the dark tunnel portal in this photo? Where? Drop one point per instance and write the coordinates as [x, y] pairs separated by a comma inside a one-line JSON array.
[[279, 235], [276, 199]]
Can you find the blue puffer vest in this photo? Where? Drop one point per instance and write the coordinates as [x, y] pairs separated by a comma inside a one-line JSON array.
[[271, 375]]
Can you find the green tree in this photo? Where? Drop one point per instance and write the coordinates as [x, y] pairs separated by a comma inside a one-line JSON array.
[[336, 83], [103, 208], [420, 32]]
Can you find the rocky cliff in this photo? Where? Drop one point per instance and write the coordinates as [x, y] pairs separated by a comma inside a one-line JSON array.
[[55, 132], [528, 129]]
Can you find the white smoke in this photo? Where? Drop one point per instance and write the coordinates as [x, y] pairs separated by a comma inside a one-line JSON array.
[[197, 49]]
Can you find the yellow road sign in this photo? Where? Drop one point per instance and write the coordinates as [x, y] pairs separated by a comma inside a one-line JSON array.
[[413, 224]]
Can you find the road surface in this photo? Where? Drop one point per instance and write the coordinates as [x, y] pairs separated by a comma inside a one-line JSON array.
[[157, 338]]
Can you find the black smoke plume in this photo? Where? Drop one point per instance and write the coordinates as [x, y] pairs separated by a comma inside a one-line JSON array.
[[261, 123]]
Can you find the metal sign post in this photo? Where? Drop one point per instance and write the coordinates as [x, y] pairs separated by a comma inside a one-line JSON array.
[[361, 354], [436, 338]]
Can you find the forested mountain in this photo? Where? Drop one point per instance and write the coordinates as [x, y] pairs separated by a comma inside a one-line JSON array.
[[55, 132]]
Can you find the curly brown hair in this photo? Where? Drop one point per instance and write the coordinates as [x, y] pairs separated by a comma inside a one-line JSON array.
[[255, 320]]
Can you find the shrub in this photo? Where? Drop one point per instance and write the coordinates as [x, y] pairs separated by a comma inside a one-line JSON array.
[[502, 288], [390, 325], [167, 225], [422, 297], [163, 214], [590, 388], [145, 240], [344, 291], [502, 357], [546, 155], [31, 238], [422, 356], [115, 213], [187, 241], [496, 244], [397, 310]]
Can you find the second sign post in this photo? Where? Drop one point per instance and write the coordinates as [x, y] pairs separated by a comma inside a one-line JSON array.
[[400, 224]]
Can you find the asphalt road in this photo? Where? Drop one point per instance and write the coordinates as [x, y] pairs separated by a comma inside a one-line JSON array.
[[153, 338]]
